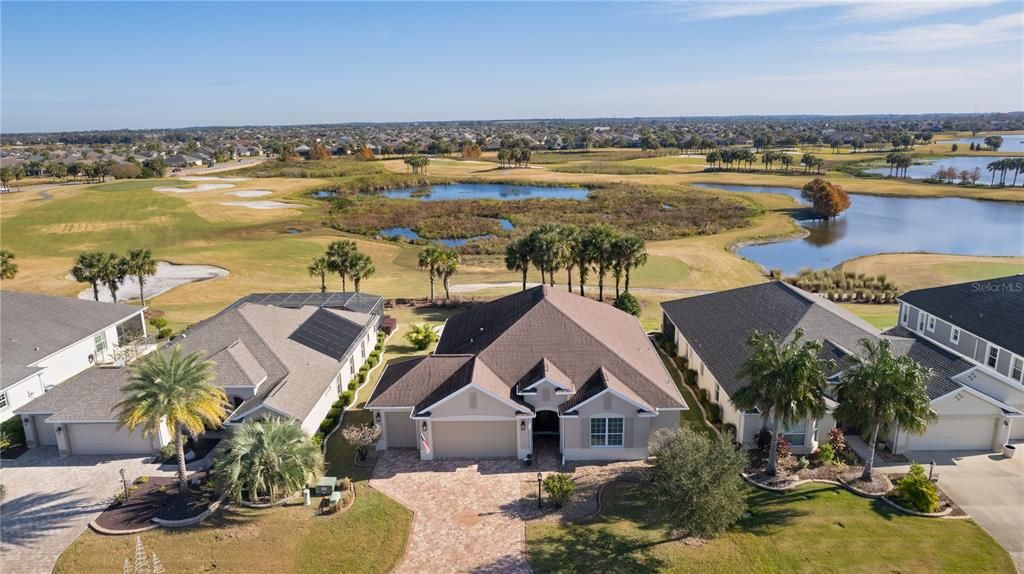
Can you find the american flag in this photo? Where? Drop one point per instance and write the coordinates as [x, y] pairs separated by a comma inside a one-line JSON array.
[[423, 439]]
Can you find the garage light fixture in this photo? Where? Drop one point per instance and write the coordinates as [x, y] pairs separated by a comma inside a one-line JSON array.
[[377, 416], [522, 425], [424, 426]]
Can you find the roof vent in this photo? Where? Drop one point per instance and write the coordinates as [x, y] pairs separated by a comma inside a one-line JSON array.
[[36, 348]]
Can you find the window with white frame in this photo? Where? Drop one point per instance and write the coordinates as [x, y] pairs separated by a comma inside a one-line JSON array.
[[3, 400], [931, 322], [606, 431], [954, 335], [100, 340], [718, 393], [993, 356], [352, 366], [796, 433], [905, 315], [1017, 369], [921, 316]]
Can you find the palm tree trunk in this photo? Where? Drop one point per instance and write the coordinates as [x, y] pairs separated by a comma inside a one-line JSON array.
[[568, 277], [773, 448], [524, 278], [96, 291], [343, 285], [323, 284], [627, 278], [447, 293], [600, 285], [431, 287], [142, 296], [179, 446], [869, 464], [581, 281]]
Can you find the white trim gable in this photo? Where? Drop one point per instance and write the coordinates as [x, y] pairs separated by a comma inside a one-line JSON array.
[[565, 389], [511, 404], [644, 408]]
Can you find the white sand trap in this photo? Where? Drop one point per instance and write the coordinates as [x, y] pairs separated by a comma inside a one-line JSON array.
[[168, 276], [213, 178], [265, 204], [196, 189], [250, 193]]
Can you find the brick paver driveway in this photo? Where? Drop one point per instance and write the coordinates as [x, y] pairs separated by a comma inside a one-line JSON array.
[[467, 512], [48, 501]]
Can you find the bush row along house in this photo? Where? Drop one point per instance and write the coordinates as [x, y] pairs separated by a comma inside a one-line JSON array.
[[280, 354]]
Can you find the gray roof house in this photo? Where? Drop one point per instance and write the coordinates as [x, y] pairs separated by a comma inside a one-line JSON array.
[[712, 330], [281, 354], [542, 363]]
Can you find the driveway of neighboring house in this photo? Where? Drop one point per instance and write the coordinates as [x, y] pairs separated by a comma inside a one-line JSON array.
[[990, 488], [48, 501], [468, 513]]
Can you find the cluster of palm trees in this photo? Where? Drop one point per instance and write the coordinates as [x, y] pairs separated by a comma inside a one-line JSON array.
[[518, 156], [1003, 167], [109, 269], [725, 158], [343, 258], [899, 162], [418, 163], [599, 248], [8, 268], [787, 382], [439, 263]]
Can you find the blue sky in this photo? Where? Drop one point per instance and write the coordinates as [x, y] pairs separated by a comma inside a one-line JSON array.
[[71, 66]]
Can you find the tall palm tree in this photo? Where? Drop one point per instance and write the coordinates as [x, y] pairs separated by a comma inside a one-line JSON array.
[[518, 255], [630, 253], [429, 258], [173, 389], [8, 268], [112, 272], [600, 239], [545, 243], [320, 267], [139, 263], [339, 256], [883, 390], [448, 266], [786, 381], [267, 457], [88, 269], [570, 240], [361, 267]]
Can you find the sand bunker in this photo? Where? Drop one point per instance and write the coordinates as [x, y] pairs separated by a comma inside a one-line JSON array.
[[168, 276], [196, 189], [213, 178], [265, 204], [250, 193]]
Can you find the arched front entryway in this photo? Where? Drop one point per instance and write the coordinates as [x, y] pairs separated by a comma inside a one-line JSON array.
[[546, 443], [546, 423]]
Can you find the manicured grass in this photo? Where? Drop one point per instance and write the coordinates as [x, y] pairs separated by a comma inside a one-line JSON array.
[[923, 270], [691, 417], [881, 316], [815, 528]]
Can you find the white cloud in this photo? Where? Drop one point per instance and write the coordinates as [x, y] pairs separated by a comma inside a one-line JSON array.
[[932, 37], [853, 10]]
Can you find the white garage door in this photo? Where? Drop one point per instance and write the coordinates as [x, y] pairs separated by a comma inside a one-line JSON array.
[[955, 433], [474, 439], [105, 438]]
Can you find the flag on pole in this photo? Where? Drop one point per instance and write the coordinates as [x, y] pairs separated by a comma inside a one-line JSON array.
[[423, 438]]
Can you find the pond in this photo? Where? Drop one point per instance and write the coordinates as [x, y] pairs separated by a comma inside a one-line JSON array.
[[498, 191], [876, 224], [1011, 142], [411, 235], [325, 194], [961, 162]]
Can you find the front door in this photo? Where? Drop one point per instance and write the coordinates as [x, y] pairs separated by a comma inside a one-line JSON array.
[[546, 423]]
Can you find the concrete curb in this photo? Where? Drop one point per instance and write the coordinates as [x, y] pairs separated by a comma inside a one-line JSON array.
[[195, 519], [109, 532]]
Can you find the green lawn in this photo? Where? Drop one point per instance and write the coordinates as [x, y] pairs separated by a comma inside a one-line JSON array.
[[815, 528]]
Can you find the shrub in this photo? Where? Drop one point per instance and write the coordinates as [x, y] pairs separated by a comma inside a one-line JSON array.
[[690, 377], [381, 335], [826, 454], [362, 437], [347, 397], [763, 438], [165, 333], [158, 322], [560, 488], [730, 431], [421, 335], [916, 492], [363, 370], [697, 481], [627, 302], [353, 384], [142, 480], [5, 441], [344, 483], [13, 430], [327, 425], [318, 439], [783, 450], [167, 451], [837, 440], [333, 413], [705, 397], [803, 462]]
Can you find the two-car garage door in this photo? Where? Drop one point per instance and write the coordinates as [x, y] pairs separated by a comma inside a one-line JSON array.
[[476, 439], [956, 433], [106, 438]]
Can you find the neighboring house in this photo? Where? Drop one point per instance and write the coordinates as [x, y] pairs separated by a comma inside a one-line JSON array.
[[47, 339], [981, 322], [180, 160], [712, 331], [283, 354], [540, 362]]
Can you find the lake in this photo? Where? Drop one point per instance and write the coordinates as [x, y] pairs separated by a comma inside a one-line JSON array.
[[876, 224], [411, 235], [499, 191], [1011, 142], [960, 162]]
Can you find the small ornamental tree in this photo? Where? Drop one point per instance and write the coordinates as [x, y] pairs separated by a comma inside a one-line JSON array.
[[421, 335], [560, 488], [362, 437], [837, 440], [697, 482], [916, 492], [628, 303]]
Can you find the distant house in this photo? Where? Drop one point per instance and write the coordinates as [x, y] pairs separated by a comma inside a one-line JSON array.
[[281, 354], [47, 341], [542, 363], [180, 160], [711, 332]]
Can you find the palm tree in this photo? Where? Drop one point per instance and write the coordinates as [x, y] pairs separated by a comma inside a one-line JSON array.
[[112, 272], [546, 251], [569, 241], [518, 255], [599, 239], [266, 457], [173, 389], [786, 382], [88, 269], [361, 267], [446, 267], [583, 254], [140, 264], [8, 268], [429, 258], [339, 256], [320, 267], [630, 252], [883, 390]]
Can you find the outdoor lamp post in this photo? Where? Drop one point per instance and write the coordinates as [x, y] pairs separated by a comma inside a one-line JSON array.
[[124, 482], [540, 480]]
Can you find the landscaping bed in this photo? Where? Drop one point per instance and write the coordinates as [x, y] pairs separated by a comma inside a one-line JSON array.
[[13, 452], [157, 497]]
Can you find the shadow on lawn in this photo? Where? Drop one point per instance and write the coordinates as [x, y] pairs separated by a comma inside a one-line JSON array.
[[594, 550]]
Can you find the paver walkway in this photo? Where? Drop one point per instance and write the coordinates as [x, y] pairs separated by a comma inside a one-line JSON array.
[[467, 512], [48, 501]]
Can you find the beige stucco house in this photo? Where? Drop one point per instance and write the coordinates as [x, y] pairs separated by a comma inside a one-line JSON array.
[[542, 363]]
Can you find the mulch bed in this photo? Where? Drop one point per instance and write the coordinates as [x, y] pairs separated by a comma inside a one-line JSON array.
[[13, 452], [147, 501]]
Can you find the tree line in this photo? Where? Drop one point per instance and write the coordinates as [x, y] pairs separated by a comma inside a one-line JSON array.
[[109, 269], [723, 159], [343, 258], [599, 249]]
